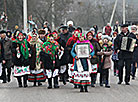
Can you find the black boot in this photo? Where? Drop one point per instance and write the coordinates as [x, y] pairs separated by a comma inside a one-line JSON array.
[[64, 79], [81, 89], [9, 74], [107, 85], [50, 83], [19, 81], [75, 86], [25, 77], [56, 82], [39, 84], [34, 83], [85, 87]]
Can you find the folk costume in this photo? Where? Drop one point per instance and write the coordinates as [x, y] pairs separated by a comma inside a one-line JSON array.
[[21, 53], [49, 57], [36, 69], [82, 66]]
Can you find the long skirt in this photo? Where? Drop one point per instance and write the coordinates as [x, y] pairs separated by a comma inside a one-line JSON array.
[[37, 76]]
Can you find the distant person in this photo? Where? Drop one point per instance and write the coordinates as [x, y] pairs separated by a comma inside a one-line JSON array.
[[96, 29], [108, 30], [70, 26], [117, 27]]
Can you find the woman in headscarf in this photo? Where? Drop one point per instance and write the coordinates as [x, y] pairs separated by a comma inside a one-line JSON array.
[[21, 58], [82, 66], [35, 65], [49, 57]]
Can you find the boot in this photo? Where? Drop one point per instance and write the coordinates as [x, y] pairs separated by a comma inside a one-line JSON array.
[[25, 77], [34, 83], [64, 80], [56, 82], [39, 84], [81, 89], [107, 85], [85, 87], [19, 81], [9, 74], [50, 83], [92, 84], [75, 86]]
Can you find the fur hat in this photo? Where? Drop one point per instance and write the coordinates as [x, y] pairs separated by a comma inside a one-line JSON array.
[[41, 31], [2, 31], [106, 37]]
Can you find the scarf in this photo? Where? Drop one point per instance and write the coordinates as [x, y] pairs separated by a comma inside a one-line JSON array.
[[23, 47]]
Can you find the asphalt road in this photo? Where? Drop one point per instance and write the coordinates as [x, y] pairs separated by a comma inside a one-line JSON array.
[[9, 92]]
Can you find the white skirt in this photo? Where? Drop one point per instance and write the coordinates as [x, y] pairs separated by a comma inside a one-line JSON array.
[[21, 70]]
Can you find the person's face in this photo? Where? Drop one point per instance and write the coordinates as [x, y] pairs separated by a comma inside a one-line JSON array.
[[81, 38], [99, 36], [45, 25], [93, 32], [8, 34], [137, 36], [3, 36], [55, 36], [65, 31], [105, 41], [21, 37], [51, 39], [70, 25], [90, 37], [114, 35], [41, 36], [133, 30], [124, 29], [34, 38], [117, 22]]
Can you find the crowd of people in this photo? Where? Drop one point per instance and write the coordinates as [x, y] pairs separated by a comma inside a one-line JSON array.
[[68, 55]]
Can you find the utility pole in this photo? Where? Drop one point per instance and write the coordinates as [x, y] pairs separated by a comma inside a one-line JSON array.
[[114, 9], [124, 8], [25, 15], [53, 16]]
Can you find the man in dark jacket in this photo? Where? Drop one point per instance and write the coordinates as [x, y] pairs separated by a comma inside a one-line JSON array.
[[7, 57], [65, 35], [125, 56]]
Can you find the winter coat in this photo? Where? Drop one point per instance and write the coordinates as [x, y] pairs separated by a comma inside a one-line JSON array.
[[108, 30], [64, 59], [72, 40], [117, 46], [97, 48], [20, 61], [105, 57], [7, 45]]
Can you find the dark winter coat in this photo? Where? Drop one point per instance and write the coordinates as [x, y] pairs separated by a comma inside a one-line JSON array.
[[7, 45], [19, 61], [97, 48], [117, 46]]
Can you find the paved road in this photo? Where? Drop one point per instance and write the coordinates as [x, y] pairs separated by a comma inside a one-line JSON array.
[[117, 93]]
